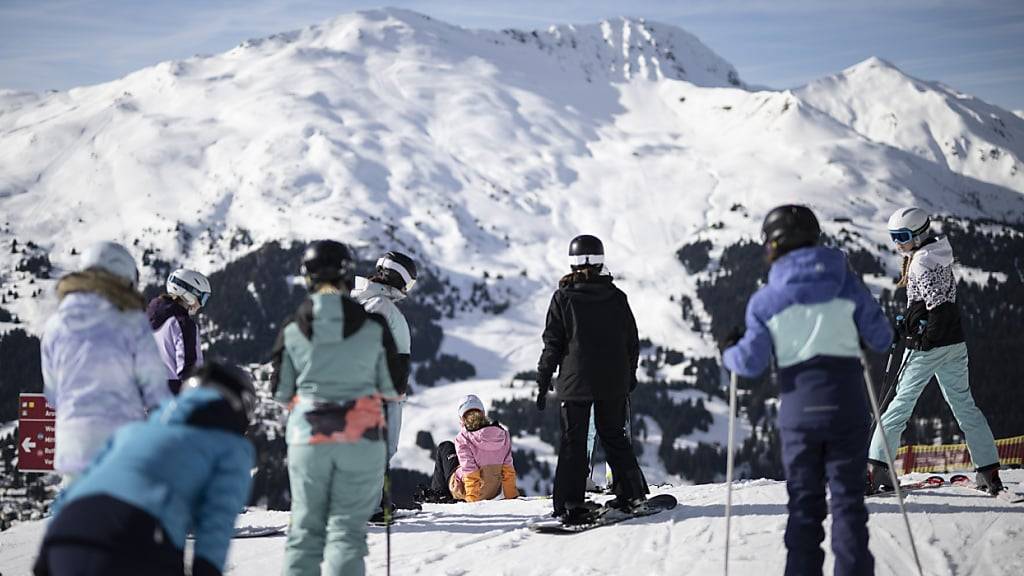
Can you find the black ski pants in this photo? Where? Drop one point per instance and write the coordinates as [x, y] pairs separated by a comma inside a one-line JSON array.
[[445, 463], [103, 536], [573, 461]]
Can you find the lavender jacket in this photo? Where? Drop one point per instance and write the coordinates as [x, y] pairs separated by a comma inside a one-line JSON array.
[[177, 339], [101, 371]]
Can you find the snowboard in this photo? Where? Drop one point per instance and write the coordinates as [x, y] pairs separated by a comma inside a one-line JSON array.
[[604, 516], [1006, 495], [929, 482]]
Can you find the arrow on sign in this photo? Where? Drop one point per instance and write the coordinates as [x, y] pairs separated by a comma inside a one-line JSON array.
[[27, 445]]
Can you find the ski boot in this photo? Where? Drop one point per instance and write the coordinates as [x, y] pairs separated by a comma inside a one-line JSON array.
[[425, 494], [878, 479], [578, 514], [628, 505], [987, 479], [584, 514], [382, 516]]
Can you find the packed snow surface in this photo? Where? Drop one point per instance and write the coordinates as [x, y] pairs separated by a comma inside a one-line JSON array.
[[958, 532]]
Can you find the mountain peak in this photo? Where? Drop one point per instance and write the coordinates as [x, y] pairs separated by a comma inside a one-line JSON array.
[[627, 48]]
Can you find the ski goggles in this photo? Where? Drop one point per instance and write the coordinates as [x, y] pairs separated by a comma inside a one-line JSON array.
[[392, 265], [202, 297], [902, 236]]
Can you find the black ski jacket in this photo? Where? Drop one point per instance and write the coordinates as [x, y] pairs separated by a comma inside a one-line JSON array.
[[591, 338]]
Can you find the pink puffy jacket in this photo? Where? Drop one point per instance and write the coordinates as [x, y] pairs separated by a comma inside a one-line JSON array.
[[485, 465]]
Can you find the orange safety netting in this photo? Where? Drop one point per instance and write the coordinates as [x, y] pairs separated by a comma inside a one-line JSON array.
[[955, 457]]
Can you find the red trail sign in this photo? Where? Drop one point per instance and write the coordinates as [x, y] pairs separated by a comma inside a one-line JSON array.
[[37, 424]]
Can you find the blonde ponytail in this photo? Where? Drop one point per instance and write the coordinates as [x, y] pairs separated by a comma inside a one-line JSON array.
[[905, 272]]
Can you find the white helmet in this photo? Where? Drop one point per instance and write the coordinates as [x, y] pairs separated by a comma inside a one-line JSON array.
[[190, 286], [470, 402], [111, 257], [909, 225]]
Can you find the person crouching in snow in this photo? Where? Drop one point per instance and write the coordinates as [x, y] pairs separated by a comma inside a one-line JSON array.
[[812, 316], [101, 369], [332, 365], [936, 347], [391, 282], [478, 465], [176, 333], [186, 468]]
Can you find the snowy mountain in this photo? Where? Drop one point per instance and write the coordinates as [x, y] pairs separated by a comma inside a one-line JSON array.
[[935, 122], [956, 531], [482, 153]]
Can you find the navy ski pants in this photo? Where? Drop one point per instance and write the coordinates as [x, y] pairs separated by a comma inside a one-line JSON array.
[[814, 457]]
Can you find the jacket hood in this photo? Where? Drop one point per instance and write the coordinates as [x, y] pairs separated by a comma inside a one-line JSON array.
[[366, 290], [203, 408], [594, 290], [935, 254], [491, 437], [80, 311], [161, 308], [813, 275], [110, 287]]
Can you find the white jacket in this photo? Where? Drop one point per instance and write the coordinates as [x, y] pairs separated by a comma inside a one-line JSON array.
[[380, 299], [101, 370]]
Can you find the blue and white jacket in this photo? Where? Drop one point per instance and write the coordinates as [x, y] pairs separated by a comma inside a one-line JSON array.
[[812, 316], [180, 469]]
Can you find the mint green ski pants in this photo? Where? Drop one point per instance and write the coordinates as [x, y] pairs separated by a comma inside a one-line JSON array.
[[949, 366], [335, 489]]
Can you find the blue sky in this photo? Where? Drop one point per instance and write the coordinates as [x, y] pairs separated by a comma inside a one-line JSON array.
[[976, 46]]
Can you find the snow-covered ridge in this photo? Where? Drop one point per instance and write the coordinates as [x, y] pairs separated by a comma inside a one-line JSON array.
[[930, 120], [633, 48]]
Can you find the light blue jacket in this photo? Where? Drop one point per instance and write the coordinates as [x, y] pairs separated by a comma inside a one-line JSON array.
[[185, 476], [101, 370], [811, 317]]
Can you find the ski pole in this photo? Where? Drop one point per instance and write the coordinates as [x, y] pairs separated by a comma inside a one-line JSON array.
[[893, 386], [729, 466], [889, 459], [387, 492]]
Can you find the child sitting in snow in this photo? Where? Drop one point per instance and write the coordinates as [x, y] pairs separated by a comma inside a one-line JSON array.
[[478, 465]]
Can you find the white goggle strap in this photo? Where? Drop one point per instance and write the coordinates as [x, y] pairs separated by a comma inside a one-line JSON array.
[[392, 265], [586, 259]]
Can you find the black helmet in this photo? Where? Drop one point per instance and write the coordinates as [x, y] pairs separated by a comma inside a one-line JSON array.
[[326, 261], [789, 227], [398, 270], [586, 250], [235, 386]]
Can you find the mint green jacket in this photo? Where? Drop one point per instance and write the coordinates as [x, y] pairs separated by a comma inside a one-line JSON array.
[[331, 350]]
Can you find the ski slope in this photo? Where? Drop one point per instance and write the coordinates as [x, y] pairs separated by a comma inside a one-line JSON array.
[[958, 532]]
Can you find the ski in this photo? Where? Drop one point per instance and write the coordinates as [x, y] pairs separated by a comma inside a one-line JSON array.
[[1007, 495], [260, 531], [604, 516], [927, 483]]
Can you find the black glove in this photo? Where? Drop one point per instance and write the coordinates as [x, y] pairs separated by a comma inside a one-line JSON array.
[[730, 340], [915, 338], [544, 385]]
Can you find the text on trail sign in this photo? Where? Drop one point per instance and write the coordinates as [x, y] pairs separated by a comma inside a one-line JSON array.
[[36, 434]]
